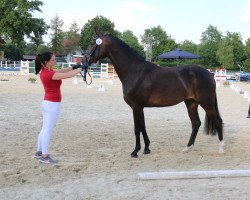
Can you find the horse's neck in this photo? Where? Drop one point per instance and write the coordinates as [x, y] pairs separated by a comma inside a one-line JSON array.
[[124, 63]]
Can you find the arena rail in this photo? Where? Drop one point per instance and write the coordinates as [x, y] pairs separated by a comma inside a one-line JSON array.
[[193, 174]]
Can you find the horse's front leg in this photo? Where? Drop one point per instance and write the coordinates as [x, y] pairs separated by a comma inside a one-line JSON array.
[[139, 126]]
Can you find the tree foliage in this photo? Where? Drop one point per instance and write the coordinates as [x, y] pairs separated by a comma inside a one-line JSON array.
[[234, 40], [209, 45], [157, 39], [57, 35], [42, 48], [71, 39], [16, 21], [247, 48], [88, 30], [129, 38], [246, 65], [189, 46], [30, 49], [12, 52], [225, 54], [238, 48]]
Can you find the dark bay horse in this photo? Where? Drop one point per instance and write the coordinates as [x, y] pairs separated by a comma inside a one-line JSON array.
[[148, 85]]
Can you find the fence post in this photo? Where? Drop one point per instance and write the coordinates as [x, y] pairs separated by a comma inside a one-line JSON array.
[[24, 68], [31, 67]]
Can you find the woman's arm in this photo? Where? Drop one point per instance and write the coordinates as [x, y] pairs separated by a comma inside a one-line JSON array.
[[64, 75], [64, 70]]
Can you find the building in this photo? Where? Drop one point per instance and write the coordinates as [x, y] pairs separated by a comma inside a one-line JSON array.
[[28, 58]]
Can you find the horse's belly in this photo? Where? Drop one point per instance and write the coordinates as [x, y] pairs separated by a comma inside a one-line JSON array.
[[161, 101]]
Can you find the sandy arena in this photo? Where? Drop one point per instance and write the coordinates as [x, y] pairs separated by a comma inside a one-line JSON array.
[[93, 140]]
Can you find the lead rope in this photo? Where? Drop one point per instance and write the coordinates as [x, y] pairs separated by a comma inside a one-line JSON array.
[[85, 65], [84, 76]]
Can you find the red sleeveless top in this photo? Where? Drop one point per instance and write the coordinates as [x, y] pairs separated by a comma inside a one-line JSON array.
[[52, 88]]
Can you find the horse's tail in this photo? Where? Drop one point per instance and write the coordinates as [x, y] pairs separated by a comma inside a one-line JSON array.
[[213, 122]]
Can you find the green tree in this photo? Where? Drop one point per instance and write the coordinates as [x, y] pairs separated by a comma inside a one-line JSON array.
[[189, 46], [57, 35], [157, 39], [71, 39], [209, 45], [30, 49], [239, 53], [129, 38], [246, 65], [164, 46], [231, 50], [42, 48], [247, 48], [37, 38], [225, 54], [16, 21], [12, 51], [88, 30]]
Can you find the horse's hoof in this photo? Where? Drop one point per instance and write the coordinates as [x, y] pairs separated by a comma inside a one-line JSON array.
[[221, 151], [134, 155], [187, 149], [221, 148], [146, 151]]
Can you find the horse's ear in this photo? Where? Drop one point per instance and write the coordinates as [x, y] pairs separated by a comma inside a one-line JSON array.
[[98, 32]]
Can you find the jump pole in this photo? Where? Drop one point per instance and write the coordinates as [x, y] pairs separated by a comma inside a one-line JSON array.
[[193, 174]]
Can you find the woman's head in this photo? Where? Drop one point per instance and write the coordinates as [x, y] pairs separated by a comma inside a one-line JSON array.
[[46, 59]]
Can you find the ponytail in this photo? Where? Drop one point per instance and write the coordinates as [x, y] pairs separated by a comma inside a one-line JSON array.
[[38, 64], [41, 59]]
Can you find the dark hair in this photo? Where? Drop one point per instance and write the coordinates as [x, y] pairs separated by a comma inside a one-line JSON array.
[[41, 59]]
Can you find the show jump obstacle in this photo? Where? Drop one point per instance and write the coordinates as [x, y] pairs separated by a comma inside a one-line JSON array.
[[104, 71], [220, 74], [27, 67]]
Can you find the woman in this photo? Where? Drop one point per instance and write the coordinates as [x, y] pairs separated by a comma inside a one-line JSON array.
[[51, 80]]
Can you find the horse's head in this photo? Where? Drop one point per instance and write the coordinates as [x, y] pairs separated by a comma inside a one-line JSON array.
[[98, 47]]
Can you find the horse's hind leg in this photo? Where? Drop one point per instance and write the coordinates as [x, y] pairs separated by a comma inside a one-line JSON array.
[[192, 108], [213, 124], [139, 126]]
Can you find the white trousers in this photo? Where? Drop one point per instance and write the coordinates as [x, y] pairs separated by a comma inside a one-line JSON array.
[[51, 111]]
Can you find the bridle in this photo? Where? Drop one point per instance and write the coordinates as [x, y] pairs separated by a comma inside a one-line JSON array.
[[88, 56]]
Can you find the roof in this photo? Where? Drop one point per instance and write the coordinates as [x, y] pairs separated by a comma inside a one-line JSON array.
[[28, 57]]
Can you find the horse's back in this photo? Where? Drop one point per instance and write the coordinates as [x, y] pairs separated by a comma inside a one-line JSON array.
[[195, 81], [187, 75]]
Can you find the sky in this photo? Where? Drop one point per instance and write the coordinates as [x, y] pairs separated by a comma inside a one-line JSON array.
[[181, 19]]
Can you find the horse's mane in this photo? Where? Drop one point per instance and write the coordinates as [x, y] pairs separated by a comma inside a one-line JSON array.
[[127, 48]]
